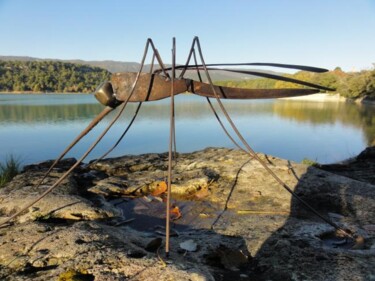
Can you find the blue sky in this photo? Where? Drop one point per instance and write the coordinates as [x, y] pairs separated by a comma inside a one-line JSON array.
[[325, 33]]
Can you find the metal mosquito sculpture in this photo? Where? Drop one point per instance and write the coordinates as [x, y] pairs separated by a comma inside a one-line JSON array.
[[162, 83]]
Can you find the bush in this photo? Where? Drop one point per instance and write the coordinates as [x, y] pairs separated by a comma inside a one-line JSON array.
[[9, 170], [309, 162]]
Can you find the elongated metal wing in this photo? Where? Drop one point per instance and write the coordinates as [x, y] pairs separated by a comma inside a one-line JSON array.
[[274, 77], [199, 67], [278, 77], [205, 89], [278, 65]]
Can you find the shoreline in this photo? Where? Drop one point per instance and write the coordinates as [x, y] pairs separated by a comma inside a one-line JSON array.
[[42, 93], [324, 97], [319, 97]]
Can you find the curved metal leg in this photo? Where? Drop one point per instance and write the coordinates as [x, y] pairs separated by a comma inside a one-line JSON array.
[[121, 137], [252, 152], [92, 124], [122, 108]]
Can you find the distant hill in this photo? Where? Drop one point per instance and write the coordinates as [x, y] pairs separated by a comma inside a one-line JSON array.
[[118, 66], [49, 76], [28, 74], [111, 66]]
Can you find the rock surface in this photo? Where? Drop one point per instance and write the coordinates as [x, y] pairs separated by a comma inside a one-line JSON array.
[[106, 220]]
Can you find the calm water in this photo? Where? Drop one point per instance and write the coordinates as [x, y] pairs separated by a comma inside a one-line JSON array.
[[38, 127]]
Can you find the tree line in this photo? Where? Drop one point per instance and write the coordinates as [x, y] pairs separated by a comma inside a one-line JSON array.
[[62, 77], [351, 85], [49, 76]]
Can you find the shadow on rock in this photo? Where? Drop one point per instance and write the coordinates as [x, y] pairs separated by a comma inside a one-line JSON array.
[[307, 248]]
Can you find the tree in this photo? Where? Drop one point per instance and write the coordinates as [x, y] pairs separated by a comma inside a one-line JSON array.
[[50, 76], [358, 84]]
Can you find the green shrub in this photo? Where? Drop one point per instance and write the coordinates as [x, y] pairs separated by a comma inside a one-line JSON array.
[[8, 170], [309, 162]]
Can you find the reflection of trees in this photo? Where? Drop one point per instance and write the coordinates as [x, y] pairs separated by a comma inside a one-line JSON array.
[[195, 108], [47, 113], [359, 116], [191, 107], [368, 124]]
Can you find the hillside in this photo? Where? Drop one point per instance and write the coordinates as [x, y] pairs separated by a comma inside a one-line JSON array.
[[118, 66], [46, 75], [49, 76], [111, 66]]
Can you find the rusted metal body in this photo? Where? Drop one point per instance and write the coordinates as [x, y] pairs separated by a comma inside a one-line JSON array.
[[151, 87]]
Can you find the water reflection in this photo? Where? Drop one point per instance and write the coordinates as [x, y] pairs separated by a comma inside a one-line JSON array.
[[46, 108], [38, 127], [348, 114], [187, 106]]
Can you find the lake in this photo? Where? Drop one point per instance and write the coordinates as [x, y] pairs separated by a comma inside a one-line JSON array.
[[35, 128]]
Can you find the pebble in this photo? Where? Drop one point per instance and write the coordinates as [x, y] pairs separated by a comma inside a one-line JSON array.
[[189, 245]]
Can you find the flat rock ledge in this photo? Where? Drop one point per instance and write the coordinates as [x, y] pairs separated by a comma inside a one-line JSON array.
[[232, 220]]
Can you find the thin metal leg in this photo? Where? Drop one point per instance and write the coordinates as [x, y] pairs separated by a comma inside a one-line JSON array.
[[130, 123], [121, 137], [252, 152], [92, 124], [214, 111], [83, 157], [192, 53], [122, 108], [171, 140]]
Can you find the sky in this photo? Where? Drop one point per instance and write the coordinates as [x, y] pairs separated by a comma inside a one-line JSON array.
[[323, 33]]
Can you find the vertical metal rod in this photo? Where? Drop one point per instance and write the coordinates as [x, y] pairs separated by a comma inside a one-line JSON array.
[[171, 138], [121, 137]]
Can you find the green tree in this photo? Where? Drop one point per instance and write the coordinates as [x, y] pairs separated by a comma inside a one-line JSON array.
[[49, 76], [358, 84]]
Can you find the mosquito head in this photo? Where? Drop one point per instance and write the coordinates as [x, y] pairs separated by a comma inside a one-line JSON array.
[[106, 96]]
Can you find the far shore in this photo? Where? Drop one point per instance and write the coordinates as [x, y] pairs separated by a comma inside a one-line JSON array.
[[41, 93], [324, 97], [319, 97]]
